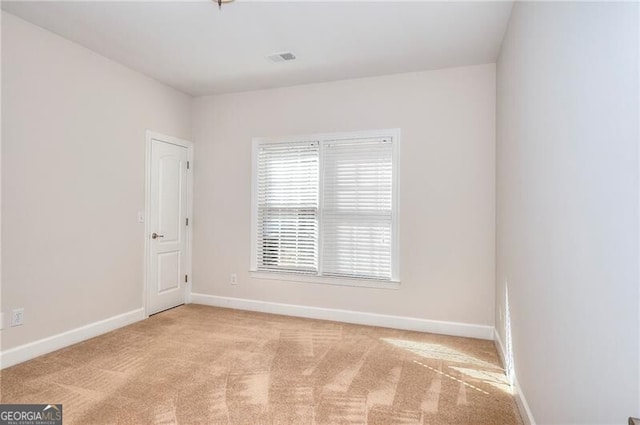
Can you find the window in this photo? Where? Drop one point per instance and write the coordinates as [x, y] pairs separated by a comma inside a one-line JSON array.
[[287, 200], [325, 208]]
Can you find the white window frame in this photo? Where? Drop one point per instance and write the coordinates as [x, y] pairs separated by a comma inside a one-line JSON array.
[[322, 138]]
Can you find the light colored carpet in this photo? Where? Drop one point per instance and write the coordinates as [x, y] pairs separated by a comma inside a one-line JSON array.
[[204, 365]]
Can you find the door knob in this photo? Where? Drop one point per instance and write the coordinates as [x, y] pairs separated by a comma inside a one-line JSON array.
[[154, 235]]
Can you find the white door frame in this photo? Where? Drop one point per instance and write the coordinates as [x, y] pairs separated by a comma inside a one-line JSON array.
[[150, 136]]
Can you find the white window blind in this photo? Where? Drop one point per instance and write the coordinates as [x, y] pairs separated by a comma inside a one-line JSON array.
[[327, 208], [357, 213], [287, 207]]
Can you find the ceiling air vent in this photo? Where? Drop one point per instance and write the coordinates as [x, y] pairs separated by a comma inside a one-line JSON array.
[[281, 57]]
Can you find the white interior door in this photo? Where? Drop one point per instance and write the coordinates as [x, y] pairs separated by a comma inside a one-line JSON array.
[[167, 226]]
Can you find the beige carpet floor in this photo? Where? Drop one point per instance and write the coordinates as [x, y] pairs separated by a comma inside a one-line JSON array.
[[204, 365]]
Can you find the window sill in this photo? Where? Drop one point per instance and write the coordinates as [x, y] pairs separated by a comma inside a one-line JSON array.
[[340, 281]]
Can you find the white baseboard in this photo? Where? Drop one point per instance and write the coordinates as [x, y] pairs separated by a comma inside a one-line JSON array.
[[34, 349], [521, 401], [348, 316]]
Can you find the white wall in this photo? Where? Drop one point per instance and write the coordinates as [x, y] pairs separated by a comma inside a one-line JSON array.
[[1, 314], [567, 208], [73, 158], [446, 194]]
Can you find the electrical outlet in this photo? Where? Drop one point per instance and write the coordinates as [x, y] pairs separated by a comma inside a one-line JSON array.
[[234, 279], [17, 317]]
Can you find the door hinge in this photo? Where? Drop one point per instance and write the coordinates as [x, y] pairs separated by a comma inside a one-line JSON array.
[[186, 277], [187, 221], [188, 165]]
